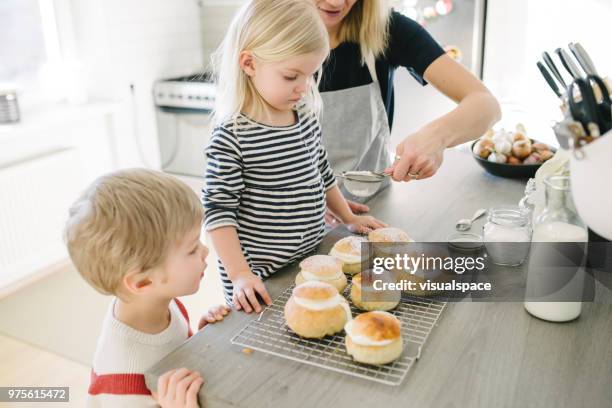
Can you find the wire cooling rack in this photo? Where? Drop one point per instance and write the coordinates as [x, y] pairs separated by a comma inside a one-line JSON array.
[[270, 334]]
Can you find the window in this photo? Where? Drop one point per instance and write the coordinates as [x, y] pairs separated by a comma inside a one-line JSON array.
[[30, 51]]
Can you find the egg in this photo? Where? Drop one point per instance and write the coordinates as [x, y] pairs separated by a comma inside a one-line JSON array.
[[503, 147], [519, 136], [487, 144], [545, 155], [533, 158], [513, 160], [482, 149], [499, 136], [497, 158], [540, 147], [521, 149]]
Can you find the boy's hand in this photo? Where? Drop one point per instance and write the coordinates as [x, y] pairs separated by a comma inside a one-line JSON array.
[[178, 389], [213, 315], [246, 288], [363, 224]]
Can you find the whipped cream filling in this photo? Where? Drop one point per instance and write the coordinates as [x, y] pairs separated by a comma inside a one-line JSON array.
[[363, 340], [330, 303], [354, 254], [345, 257], [312, 277]]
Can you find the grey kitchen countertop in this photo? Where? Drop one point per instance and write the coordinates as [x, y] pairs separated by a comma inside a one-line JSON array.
[[479, 354]]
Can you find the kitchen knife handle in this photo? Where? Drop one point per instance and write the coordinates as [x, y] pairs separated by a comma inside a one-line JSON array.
[[553, 68], [549, 79], [568, 63], [583, 58]]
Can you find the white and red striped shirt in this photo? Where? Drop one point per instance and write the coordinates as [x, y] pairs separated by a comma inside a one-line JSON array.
[[123, 355]]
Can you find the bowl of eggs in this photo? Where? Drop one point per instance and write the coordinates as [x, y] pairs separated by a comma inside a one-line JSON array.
[[511, 154]]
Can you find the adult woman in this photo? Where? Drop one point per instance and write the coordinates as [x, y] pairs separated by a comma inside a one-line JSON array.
[[369, 41]]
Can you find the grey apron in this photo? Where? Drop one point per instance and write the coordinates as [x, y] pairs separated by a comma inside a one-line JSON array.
[[355, 129]]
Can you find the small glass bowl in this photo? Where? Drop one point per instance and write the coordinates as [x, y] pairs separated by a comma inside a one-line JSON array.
[[465, 241]]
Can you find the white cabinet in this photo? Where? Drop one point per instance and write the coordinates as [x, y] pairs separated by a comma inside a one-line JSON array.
[[44, 164], [36, 194]]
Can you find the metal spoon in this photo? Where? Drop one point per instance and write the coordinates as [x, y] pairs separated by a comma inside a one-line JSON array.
[[465, 223]]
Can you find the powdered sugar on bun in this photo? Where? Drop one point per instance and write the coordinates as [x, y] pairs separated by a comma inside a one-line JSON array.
[[348, 249], [315, 290], [389, 234], [322, 266]]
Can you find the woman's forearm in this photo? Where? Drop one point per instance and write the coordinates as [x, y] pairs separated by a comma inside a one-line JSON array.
[[227, 245], [474, 115], [477, 109]]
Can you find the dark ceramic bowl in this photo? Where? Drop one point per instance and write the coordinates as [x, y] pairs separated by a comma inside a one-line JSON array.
[[509, 170]]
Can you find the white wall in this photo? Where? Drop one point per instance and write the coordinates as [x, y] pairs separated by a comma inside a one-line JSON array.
[[112, 52], [45, 161], [135, 42], [216, 18], [518, 32]]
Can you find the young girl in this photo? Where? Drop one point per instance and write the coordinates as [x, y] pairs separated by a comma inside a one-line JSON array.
[[268, 181]]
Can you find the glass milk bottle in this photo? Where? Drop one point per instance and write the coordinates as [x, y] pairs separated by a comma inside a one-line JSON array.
[[546, 278]]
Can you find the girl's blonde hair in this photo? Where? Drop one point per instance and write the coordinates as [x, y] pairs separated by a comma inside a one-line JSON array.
[[272, 30], [367, 24]]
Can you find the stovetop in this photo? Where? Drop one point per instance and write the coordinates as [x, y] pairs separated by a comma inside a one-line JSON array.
[[195, 91], [202, 77]]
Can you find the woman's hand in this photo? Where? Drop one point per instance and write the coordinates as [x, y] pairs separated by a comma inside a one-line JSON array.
[[178, 389], [213, 315], [247, 286], [362, 224], [419, 156], [332, 219]]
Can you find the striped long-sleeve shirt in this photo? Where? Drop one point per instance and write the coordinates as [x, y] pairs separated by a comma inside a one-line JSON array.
[[269, 183]]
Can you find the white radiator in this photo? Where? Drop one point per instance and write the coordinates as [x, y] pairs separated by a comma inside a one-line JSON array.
[[35, 195]]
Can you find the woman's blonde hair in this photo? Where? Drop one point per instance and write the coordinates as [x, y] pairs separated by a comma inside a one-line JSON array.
[[367, 24], [126, 221], [272, 30]]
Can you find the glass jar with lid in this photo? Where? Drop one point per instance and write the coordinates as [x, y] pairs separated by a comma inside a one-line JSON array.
[[507, 235]]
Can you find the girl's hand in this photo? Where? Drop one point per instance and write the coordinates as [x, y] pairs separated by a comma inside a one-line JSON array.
[[418, 157], [178, 389], [363, 224], [358, 208], [213, 315], [332, 219], [246, 288]]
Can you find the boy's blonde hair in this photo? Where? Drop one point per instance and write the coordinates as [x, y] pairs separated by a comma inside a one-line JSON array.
[[127, 221], [367, 24], [273, 30]]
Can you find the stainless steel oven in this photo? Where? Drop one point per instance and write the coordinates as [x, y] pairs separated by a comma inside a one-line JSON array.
[[184, 110]]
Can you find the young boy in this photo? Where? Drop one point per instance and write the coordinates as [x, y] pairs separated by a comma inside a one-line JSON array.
[[135, 234]]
